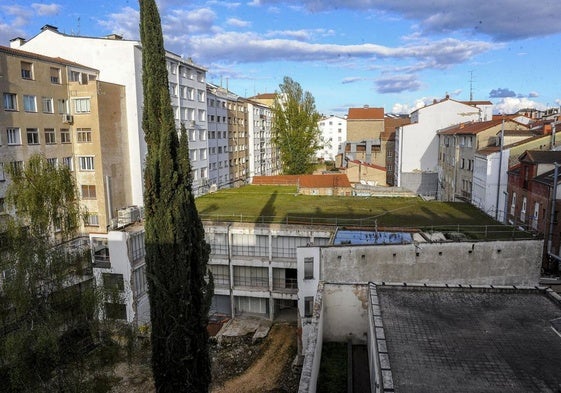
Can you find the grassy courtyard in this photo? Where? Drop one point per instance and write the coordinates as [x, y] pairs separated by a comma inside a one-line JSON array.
[[281, 204]]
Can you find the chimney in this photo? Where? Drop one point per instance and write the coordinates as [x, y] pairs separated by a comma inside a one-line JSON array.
[[17, 42], [114, 37], [49, 27]]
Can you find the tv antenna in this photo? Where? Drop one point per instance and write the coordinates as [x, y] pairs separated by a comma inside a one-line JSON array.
[[471, 86]]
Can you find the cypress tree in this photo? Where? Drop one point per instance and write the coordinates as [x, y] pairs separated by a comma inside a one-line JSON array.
[[176, 252]]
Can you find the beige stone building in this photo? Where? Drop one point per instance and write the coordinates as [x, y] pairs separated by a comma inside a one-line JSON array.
[[60, 109], [457, 149]]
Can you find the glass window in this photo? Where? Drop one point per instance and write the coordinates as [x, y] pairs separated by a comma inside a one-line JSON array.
[[93, 220], [308, 268], [48, 105], [84, 135], [88, 191], [10, 102], [67, 161], [81, 105], [86, 163], [64, 135], [52, 162], [50, 136], [308, 306], [32, 136], [13, 136], [2, 174], [26, 70], [29, 103], [55, 75], [61, 105]]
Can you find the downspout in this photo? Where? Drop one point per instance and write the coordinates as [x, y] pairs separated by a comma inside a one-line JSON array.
[[500, 170], [230, 272], [552, 215]]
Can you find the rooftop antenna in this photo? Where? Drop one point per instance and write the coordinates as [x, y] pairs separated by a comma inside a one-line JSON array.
[[471, 86]]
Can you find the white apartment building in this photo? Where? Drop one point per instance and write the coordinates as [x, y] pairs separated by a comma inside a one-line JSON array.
[[218, 136], [263, 156], [416, 144], [333, 133], [120, 61]]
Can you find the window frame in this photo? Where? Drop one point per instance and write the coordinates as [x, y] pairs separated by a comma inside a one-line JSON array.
[[29, 103], [10, 133], [50, 136], [32, 136], [12, 103], [88, 191], [86, 163]]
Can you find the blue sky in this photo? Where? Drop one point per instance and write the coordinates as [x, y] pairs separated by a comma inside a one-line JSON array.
[[385, 53]]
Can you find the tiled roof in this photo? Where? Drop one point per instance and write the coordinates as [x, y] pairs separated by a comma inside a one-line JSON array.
[[374, 166], [470, 127], [541, 156], [366, 114], [264, 96], [35, 56]]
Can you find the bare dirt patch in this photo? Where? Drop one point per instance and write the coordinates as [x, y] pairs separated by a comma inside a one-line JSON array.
[[238, 366]]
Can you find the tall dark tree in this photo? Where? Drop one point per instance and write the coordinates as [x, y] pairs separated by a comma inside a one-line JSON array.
[[176, 252], [295, 128]]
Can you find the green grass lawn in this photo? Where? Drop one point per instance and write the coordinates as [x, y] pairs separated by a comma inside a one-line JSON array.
[[282, 204]]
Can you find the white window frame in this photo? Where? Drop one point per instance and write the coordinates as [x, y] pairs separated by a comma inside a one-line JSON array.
[[82, 105], [13, 136], [10, 101], [86, 163], [47, 105], [65, 135], [68, 162], [32, 133], [29, 103], [50, 136]]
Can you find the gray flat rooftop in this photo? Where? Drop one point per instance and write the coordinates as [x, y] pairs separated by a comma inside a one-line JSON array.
[[471, 340]]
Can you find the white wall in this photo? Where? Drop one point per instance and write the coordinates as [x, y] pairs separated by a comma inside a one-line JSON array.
[[332, 138], [485, 183]]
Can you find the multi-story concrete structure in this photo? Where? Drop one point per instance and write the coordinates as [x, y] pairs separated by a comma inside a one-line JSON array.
[[120, 61], [218, 136], [333, 131], [238, 158], [457, 147], [61, 110], [262, 151], [416, 144]]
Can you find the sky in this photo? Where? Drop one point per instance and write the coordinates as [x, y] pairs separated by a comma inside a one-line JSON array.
[[395, 54]]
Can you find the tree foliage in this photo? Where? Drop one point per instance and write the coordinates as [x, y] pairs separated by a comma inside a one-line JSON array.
[[295, 127], [48, 303], [176, 252]]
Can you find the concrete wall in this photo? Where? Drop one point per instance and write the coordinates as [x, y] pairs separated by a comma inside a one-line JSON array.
[[422, 183], [479, 263], [345, 312]]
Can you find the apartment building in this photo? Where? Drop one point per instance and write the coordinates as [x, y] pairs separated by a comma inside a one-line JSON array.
[[457, 147], [238, 157], [333, 131], [416, 144], [60, 109], [119, 61], [218, 136], [263, 154]]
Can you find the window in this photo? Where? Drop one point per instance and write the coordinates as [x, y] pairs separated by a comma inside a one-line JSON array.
[[26, 70], [92, 220], [389, 153], [513, 203], [202, 115], [173, 89], [202, 135], [193, 155], [50, 136], [55, 75], [88, 191], [463, 164], [201, 95], [10, 102], [308, 268], [67, 161], [200, 77], [192, 135], [523, 210], [13, 135], [16, 166], [48, 105], [75, 76], [139, 281], [174, 69], [84, 135], [32, 136], [202, 154], [389, 168], [2, 174], [29, 103], [86, 163], [81, 105], [53, 162], [183, 91], [308, 306], [64, 135], [61, 105], [190, 93]]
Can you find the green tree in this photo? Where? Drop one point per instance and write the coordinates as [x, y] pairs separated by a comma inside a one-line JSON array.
[[176, 252], [48, 303], [295, 128]]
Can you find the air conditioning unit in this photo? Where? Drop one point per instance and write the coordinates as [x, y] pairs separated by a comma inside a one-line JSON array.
[[67, 119]]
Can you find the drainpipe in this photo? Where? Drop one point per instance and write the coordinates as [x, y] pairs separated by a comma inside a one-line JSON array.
[[230, 272], [552, 215], [500, 170]]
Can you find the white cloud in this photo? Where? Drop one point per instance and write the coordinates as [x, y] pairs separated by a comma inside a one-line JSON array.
[[510, 105], [46, 9], [406, 108], [501, 19], [21, 15], [238, 22], [124, 23], [397, 83]]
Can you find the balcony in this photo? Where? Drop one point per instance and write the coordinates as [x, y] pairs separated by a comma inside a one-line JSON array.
[[286, 285], [102, 259]]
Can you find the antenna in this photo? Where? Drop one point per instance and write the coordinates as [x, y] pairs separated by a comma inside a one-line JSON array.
[[471, 85]]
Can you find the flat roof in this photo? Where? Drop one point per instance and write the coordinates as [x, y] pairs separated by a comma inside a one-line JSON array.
[[471, 340]]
